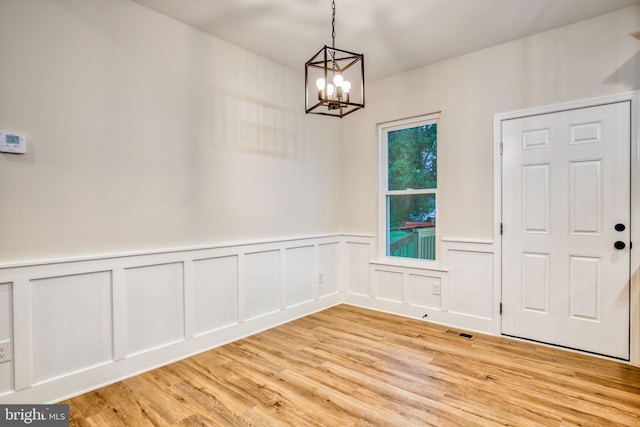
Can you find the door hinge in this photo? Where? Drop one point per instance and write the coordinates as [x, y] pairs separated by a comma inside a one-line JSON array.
[[501, 148], [500, 308], [501, 229]]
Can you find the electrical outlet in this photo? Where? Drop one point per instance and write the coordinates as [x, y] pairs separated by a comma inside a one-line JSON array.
[[5, 351], [320, 277], [435, 288]]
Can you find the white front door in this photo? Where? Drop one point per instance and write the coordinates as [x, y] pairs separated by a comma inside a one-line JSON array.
[[565, 214]]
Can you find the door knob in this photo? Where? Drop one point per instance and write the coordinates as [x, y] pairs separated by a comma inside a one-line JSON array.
[[620, 227], [619, 245]]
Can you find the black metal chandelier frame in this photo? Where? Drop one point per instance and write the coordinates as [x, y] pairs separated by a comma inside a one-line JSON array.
[[335, 99]]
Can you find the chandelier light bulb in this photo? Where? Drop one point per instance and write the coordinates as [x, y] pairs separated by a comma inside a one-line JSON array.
[[330, 89], [338, 79], [320, 83], [346, 86]]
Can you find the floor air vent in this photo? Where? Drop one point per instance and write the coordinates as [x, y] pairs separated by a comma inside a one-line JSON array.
[[460, 334]]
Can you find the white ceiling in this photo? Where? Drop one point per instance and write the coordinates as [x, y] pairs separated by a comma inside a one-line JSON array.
[[394, 36]]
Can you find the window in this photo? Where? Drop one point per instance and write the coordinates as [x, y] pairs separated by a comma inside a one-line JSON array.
[[409, 187]]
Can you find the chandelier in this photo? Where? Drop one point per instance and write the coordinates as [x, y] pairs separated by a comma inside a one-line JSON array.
[[334, 79]]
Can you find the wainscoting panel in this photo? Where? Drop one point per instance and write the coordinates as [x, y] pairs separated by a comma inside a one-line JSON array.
[[388, 285], [298, 281], [79, 324], [155, 306], [215, 293], [70, 334], [357, 266], [407, 291], [6, 333], [420, 291], [261, 285], [328, 268], [471, 283], [457, 292], [76, 325]]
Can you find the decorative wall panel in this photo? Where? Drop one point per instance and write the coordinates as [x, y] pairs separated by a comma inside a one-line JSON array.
[[357, 265], [155, 306], [262, 284], [145, 310], [471, 283], [6, 333], [298, 282], [70, 334], [420, 291], [215, 293], [389, 285], [328, 261]]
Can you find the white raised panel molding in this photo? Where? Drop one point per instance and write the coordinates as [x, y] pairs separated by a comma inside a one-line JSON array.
[[79, 324], [420, 293], [188, 294], [469, 294], [119, 307], [465, 278], [388, 285], [298, 280], [206, 294], [22, 348], [167, 305], [359, 252], [328, 268], [215, 293], [160, 307], [471, 283], [70, 334], [408, 289], [262, 276], [6, 333], [155, 307]]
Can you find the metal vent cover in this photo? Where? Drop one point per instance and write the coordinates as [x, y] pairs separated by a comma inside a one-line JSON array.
[[460, 334]]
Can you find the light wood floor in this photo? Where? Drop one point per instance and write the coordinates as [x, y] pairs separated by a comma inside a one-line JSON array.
[[348, 366]]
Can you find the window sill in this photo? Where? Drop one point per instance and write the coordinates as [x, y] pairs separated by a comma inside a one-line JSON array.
[[413, 264]]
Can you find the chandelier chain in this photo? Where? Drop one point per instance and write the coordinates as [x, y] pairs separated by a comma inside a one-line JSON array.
[[333, 23]]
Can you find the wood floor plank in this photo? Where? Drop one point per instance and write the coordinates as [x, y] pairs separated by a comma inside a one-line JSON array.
[[347, 366]]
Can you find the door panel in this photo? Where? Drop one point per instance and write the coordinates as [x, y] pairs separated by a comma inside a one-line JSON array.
[[535, 282], [565, 185], [586, 197], [536, 198]]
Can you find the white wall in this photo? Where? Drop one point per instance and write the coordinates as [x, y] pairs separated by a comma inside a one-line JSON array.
[[147, 135], [166, 201], [592, 58], [588, 59], [144, 133]]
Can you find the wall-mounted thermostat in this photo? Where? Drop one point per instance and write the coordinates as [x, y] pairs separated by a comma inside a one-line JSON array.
[[12, 143]]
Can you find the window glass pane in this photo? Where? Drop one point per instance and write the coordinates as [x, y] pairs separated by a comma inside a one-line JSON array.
[[411, 226], [412, 158]]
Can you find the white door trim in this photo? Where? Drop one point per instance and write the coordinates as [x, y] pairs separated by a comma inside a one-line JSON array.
[[634, 98]]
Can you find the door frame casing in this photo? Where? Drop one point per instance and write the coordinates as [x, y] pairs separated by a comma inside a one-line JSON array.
[[634, 229]]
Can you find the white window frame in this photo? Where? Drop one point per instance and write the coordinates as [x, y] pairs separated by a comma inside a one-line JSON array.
[[383, 130]]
